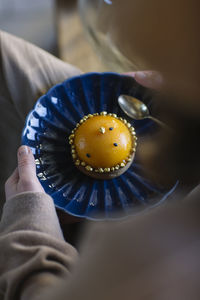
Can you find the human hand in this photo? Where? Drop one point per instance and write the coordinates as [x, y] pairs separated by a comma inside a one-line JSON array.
[[24, 177], [149, 79]]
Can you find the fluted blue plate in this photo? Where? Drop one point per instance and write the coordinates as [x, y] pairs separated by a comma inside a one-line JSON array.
[[47, 129]]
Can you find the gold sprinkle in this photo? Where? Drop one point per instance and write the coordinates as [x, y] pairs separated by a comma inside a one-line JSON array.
[[102, 130], [71, 136], [112, 169], [81, 121], [133, 133], [128, 125], [73, 131], [121, 119], [125, 122], [90, 116], [83, 164], [129, 159], [77, 125], [73, 151], [101, 170], [71, 142], [117, 167], [88, 168], [122, 165], [77, 163], [108, 169], [114, 115], [74, 155]]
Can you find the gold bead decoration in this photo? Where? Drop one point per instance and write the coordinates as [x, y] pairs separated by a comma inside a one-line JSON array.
[[88, 168], [73, 151], [77, 162], [74, 155], [101, 170], [114, 115], [122, 165], [103, 113], [71, 142], [128, 125], [83, 164], [112, 169], [117, 167]]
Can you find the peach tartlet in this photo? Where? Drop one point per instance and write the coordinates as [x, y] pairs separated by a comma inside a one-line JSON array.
[[103, 145]]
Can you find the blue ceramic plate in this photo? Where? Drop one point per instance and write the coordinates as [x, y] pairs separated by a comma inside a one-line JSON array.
[[47, 129]]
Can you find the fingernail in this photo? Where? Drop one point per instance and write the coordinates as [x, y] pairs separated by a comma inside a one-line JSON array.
[[23, 150], [141, 75]]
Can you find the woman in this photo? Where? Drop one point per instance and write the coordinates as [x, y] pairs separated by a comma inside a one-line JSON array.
[[152, 256]]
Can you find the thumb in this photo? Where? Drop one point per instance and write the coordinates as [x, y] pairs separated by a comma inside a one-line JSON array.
[[149, 79], [26, 163]]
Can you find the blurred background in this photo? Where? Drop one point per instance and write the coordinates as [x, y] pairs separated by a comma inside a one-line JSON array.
[[53, 25]]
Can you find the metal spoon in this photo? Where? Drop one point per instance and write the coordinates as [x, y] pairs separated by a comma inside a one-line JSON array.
[[136, 109]]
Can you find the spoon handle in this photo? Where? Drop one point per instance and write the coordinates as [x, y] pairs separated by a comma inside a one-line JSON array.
[[160, 123]]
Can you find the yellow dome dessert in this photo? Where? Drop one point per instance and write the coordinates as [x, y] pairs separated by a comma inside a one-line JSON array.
[[103, 145]]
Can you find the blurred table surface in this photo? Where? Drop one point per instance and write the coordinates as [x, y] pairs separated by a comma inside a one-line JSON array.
[[73, 46]]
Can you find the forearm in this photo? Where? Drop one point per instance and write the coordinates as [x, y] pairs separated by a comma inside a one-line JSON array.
[[32, 247]]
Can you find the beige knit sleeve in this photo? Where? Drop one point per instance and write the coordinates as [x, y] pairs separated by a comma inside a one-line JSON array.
[[33, 250]]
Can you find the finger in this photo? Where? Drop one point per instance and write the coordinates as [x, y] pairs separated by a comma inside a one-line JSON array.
[[150, 79], [132, 74], [26, 163]]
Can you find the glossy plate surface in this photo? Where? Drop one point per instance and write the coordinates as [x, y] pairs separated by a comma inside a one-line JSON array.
[[48, 127]]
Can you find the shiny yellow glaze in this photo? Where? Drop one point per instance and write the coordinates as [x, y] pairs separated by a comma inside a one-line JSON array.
[[100, 146]]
